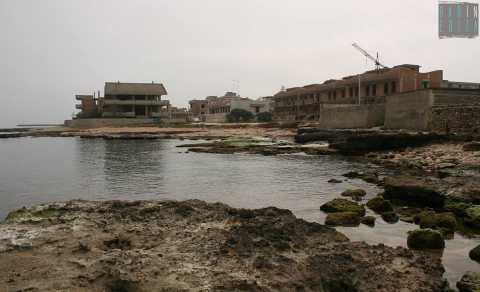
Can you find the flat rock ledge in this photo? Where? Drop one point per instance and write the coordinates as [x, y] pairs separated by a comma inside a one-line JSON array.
[[195, 246]]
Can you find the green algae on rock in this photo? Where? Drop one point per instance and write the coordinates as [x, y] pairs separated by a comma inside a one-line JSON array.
[[343, 219], [343, 205], [380, 205], [424, 239]]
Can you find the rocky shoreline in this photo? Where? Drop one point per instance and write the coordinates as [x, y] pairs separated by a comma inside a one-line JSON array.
[[196, 246]]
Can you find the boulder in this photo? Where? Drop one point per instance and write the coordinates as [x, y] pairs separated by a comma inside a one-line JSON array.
[[472, 216], [354, 193], [413, 190], [368, 220], [457, 207], [342, 205], [474, 254], [390, 217], [445, 222], [470, 282], [343, 219], [380, 205], [422, 239]]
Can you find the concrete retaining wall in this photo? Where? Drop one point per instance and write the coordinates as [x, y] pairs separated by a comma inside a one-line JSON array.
[[99, 123], [215, 118], [410, 110], [456, 119], [352, 116]]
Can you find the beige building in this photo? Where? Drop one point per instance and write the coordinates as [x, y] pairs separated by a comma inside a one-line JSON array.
[[133, 100]]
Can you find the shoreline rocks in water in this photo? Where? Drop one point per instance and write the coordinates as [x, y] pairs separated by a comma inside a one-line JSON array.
[[193, 245], [413, 190]]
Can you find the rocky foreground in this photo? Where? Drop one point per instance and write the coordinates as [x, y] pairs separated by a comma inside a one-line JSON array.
[[195, 246]]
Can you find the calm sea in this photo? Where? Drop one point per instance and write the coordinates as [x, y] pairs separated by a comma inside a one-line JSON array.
[[39, 170]]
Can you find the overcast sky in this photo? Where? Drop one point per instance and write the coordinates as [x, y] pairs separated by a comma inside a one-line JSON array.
[[51, 50]]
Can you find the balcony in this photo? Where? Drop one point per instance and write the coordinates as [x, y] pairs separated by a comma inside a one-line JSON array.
[[118, 114], [136, 102]]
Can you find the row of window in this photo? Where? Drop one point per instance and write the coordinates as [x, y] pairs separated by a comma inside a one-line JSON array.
[[461, 10], [217, 110], [467, 26], [370, 91]]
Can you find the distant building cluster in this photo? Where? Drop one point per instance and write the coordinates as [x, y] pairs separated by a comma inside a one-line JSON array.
[[214, 109], [398, 97]]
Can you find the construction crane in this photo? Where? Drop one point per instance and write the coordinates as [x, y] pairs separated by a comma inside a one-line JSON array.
[[378, 65]]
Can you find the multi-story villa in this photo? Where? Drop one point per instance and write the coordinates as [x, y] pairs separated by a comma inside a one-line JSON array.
[[133, 100]]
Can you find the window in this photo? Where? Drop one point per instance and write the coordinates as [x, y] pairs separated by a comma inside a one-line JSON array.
[[459, 11], [367, 90], [343, 93], [385, 88], [374, 89], [356, 91], [351, 91], [394, 87], [203, 106]]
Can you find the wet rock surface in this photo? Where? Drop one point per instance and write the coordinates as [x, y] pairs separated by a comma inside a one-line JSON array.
[[414, 190], [425, 239], [195, 246]]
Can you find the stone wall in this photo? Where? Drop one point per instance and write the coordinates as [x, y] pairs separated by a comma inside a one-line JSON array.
[[410, 110], [456, 119], [352, 116]]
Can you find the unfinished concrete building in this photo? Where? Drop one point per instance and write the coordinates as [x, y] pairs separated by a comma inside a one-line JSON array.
[[133, 100], [306, 103]]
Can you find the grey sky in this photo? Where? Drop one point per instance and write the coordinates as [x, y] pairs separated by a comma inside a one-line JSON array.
[[51, 50]]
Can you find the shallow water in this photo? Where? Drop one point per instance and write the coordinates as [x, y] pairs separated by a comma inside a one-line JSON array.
[[39, 170]]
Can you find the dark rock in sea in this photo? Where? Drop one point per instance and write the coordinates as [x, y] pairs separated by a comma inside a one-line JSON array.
[[425, 239], [370, 177], [355, 194], [342, 205], [470, 282], [456, 206], [413, 190], [368, 220], [474, 254], [343, 219], [390, 217], [444, 222], [472, 216], [380, 205], [334, 181], [473, 146], [152, 245]]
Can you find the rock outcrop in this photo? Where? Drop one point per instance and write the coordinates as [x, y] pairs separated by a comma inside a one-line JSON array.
[[425, 239], [413, 190], [195, 246]]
